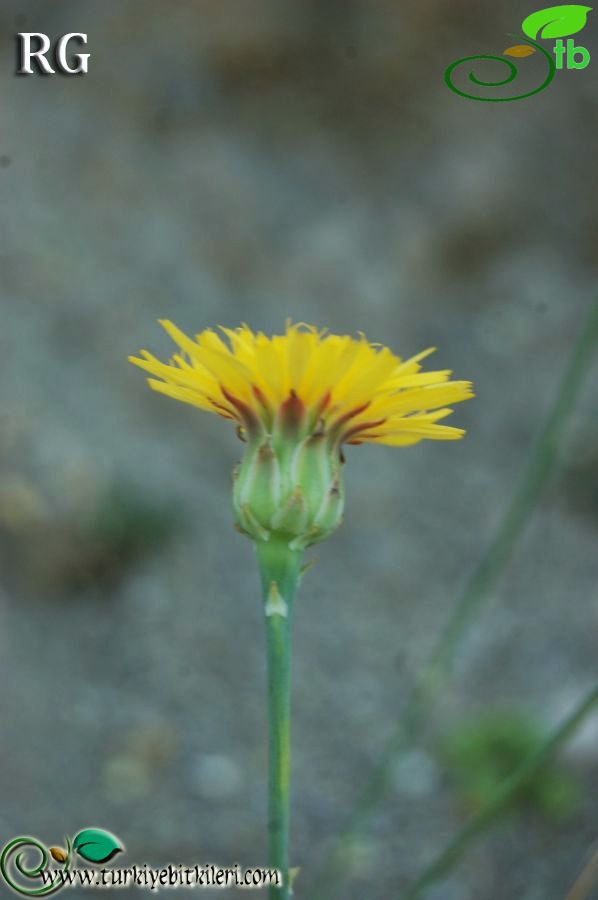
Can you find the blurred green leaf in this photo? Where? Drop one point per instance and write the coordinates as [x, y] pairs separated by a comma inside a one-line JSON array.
[[127, 523], [483, 752]]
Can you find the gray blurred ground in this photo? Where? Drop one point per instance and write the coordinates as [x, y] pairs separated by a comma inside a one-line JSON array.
[[253, 161]]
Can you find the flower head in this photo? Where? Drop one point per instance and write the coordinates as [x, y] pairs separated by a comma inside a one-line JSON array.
[[296, 398], [354, 390]]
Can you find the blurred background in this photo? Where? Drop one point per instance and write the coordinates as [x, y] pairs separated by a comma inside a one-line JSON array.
[[252, 160]]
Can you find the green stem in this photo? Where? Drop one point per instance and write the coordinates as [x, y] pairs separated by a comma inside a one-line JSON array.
[[434, 677], [480, 822], [279, 569]]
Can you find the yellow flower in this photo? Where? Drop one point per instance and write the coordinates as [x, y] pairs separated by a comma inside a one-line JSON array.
[[296, 398], [352, 390]]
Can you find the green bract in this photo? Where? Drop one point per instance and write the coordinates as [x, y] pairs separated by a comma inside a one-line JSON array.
[[289, 489]]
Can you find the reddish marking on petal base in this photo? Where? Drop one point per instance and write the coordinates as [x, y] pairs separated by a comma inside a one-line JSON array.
[[246, 415], [222, 410], [259, 396], [266, 413], [292, 411], [324, 402], [350, 415], [354, 435]]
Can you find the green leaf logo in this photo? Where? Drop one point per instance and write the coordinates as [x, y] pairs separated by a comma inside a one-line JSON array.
[[96, 845], [556, 21]]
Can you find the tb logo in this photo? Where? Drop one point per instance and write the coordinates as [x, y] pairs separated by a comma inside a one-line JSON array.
[[553, 22], [570, 52], [33, 47]]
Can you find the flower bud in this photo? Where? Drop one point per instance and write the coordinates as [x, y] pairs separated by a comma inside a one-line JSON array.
[[289, 487]]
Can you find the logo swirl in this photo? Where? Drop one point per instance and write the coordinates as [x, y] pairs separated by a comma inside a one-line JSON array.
[[510, 77], [21, 846]]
